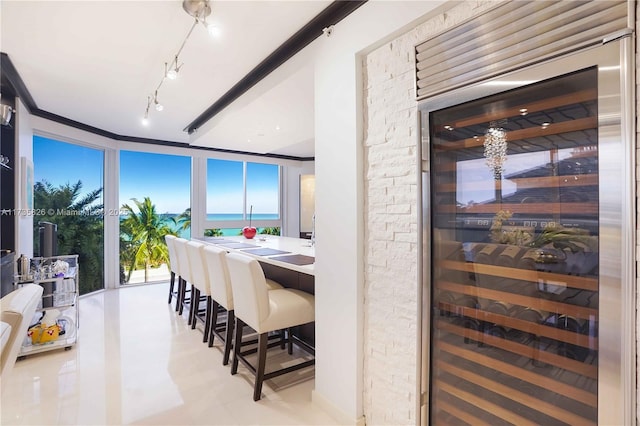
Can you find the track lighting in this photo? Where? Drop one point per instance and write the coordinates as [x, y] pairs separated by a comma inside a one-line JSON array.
[[199, 10]]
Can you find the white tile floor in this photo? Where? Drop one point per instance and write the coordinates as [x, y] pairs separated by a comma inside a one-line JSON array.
[[137, 362]]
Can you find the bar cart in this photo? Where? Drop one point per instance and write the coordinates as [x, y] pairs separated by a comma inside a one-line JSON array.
[[55, 323]]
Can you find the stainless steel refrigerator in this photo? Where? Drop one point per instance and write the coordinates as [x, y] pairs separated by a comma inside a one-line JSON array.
[[528, 202]]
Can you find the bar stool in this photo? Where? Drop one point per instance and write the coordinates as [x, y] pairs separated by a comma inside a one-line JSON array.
[[222, 295], [180, 247], [264, 311], [173, 268], [200, 286]]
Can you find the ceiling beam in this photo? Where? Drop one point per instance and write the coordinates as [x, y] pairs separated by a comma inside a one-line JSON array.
[[331, 15], [12, 81]]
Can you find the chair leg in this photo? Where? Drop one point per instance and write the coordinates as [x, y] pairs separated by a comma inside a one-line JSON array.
[[283, 338], [193, 306], [182, 284], [289, 342], [228, 339], [207, 320], [237, 344], [214, 320], [263, 339], [171, 284]]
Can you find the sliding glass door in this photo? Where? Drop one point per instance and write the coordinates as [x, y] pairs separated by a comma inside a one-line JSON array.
[[68, 197]]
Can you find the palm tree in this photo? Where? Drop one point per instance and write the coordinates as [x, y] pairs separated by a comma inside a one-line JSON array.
[[143, 233], [213, 232], [79, 224], [274, 230], [182, 222]]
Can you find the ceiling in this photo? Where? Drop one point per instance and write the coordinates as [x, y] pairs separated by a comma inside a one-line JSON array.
[[96, 62]]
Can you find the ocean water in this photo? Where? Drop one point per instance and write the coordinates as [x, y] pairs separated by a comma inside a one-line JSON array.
[[227, 232], [238, 216]]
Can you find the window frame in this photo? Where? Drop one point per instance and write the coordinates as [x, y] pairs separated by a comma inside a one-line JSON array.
[[225, 224]]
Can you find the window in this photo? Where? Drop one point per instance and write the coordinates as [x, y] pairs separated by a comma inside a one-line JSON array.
[[238, 192], [262, 190], [155, 200], [68, 185], [225, 190]]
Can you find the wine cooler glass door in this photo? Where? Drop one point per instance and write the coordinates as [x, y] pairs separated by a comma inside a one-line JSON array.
[[526, 190]]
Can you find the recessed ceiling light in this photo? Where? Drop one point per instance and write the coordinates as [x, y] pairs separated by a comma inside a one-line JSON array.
[[524, 111], [277, 127]]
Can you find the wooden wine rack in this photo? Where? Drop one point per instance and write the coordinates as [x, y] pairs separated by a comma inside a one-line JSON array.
[[514, 344]]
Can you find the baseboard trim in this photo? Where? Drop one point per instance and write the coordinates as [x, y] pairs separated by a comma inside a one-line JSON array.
[[342, 417]]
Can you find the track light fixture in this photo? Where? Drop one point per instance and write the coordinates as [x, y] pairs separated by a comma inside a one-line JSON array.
[[199, 10], [171, 70]]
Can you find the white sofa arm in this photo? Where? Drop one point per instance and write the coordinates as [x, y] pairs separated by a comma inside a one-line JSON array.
[[5, 333], [17, 309]]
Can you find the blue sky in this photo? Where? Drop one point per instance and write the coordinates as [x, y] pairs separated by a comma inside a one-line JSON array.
[[224, 187], [163, 178], [60, 163]]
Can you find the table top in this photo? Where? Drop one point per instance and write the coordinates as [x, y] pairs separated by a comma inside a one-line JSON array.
[[296, 254]]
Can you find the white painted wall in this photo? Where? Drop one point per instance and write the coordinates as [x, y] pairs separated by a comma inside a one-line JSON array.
[[291, 196], [24, 223], [339, 201]]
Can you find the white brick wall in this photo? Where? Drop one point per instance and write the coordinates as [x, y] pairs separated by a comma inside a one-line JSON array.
[[391, 315]]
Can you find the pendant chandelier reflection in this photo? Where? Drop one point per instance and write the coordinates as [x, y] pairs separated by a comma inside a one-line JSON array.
[[495, 148]]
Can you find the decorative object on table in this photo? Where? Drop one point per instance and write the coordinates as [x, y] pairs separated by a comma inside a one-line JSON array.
[[59, 268], [249, 231]]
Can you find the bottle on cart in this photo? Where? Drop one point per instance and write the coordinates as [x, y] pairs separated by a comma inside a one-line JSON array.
[[24, 265]]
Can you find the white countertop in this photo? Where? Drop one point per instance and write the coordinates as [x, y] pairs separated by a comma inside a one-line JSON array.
[[292, 245]]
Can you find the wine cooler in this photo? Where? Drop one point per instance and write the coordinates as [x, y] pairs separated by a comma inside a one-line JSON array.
[[528, 246]]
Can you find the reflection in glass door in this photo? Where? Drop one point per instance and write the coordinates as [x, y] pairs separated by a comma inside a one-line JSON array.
[[515, 256]]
